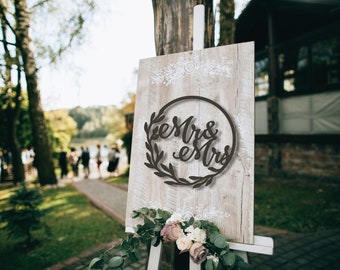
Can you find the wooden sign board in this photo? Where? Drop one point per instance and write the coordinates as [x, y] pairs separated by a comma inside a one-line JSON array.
[[193, 138]]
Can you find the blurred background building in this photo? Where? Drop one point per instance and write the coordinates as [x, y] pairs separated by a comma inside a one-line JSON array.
[[297, 85]]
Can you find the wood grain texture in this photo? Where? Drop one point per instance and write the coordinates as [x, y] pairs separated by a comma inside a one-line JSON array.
[[224, 75]]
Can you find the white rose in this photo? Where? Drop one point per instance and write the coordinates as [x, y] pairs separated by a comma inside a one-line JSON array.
[[184, 243], [175, 217], [198, 235], [189, 229]]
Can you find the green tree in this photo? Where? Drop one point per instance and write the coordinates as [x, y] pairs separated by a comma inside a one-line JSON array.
[[91, 121], [24, 215], [114, 120], [63, 128], [69, 32], [80, 115], [10, 91]]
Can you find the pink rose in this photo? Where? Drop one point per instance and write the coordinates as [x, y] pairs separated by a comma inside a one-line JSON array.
[[171, 232], [198, 253]]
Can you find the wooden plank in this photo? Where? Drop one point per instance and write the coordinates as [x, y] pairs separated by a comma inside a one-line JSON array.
[[154, 257], [194, 266], [261, 245], [225, 76]]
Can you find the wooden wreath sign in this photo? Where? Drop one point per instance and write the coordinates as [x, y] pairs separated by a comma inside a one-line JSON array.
[[198, 145]]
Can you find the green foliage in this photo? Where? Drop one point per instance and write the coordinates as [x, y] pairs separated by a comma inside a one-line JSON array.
[[24, 134], [297, 205], [24, 215], [62, 128], [114, 120], [150, 231], [90, 121], [76, 227]]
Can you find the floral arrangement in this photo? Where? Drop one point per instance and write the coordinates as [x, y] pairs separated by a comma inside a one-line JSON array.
[[201, 238]]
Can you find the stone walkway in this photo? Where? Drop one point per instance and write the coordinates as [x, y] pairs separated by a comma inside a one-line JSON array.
[[291, 251]]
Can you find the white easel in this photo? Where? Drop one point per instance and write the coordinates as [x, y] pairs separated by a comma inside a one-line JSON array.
[[261, 245]]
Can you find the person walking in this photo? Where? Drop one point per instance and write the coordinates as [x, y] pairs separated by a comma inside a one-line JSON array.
[[63, 163], [85, 160], [99, 161], [74, 161], [113, 157]]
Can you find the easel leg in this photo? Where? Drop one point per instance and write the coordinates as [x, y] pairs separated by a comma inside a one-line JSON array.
[[154, 257]]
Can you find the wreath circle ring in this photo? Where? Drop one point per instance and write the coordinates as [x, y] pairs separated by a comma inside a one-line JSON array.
[[155, 155]]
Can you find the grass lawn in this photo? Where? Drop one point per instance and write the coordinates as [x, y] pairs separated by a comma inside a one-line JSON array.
[[297, 205], [75, 224], [294, 205]]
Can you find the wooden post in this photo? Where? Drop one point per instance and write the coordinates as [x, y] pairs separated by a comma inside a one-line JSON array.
[[198, 37]]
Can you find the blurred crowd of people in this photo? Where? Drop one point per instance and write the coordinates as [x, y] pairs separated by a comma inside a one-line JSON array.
[[70, 162], [76, 159], [6, 166]]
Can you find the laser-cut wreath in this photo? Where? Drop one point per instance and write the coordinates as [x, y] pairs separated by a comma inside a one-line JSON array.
[[155, 155]]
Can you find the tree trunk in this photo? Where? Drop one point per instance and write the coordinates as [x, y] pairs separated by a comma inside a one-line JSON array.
[[12, 109], [42, 148], [173, 21], [227, 22], [12, 115]]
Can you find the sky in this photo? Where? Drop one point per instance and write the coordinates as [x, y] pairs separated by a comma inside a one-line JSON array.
[[103, 70]]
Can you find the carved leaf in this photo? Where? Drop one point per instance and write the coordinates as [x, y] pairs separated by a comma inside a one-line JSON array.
[[146, 127], [170, 183], [195, 177], [160, 156], [183, 180], [156, 149], [209, 181], [197, 185], [165, 168], [152, 116], [149, 165], [148, 157], [160, 174], [148, 146], [159, 118]]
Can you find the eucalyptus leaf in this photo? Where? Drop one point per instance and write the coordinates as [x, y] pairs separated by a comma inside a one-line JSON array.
[[244, 266], [209, 265], [213, 237], [96, 263], [116, 261], [123, 253], [144, 210], [223, 252], [157, 228], [153, 213], [229, 258], [134, 214], [221, 242]]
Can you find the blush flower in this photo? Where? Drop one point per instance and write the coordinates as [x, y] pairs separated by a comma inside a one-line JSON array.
[[171, 232], [184, 243], [198, 253]]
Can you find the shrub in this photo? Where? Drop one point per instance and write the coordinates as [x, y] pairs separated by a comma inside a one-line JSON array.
[[23, 215]]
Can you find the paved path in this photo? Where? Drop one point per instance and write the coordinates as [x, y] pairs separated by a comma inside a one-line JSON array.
[[291, 251]]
